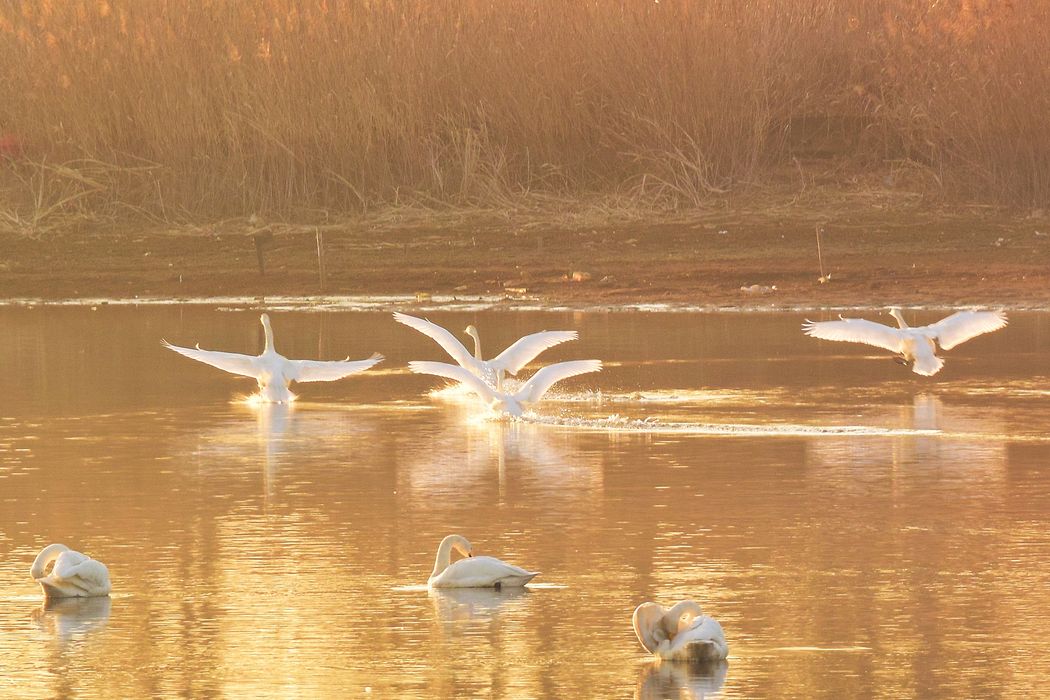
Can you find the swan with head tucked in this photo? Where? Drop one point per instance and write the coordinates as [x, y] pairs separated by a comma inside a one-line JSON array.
[[917, 345], [272, 371], [679, 633], [63, 573], [510, 361], [473, 572], [512, 404]]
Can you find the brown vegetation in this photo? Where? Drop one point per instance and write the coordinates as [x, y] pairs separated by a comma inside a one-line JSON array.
[[193, 110]]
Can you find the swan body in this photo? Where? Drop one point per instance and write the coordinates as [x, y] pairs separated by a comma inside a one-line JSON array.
[[916, 345], [72, 574], [272, 371], [512, 404], [679, 633], [473, 572], [510, 361]]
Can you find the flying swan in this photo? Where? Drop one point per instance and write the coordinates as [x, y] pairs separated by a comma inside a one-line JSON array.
[[917, 345], [473, 572], [71, 574], [273, 371], [514, 404], [679, 633], [510, 361]]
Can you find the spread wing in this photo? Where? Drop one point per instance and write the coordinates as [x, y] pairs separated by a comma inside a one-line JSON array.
[[534, 389], [321, 371], [455, 373], [441, 336], [231, 362], [647, 625], [856, 330], [524, 350], [961, 326]]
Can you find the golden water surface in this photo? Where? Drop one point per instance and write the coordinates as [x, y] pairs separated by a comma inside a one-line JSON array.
[[859, 531]]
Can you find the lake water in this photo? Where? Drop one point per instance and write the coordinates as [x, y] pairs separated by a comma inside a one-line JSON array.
[[859, 531]]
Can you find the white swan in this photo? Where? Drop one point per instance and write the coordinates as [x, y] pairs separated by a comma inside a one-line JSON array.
[[917, 345], [680, 633], [514, 404], [73, 575], [272, 371], [473, 572], [510, 361]]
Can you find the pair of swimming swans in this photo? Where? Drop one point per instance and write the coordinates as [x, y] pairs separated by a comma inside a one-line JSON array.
[[63, 573], [916, 345], [272, 371], [679, 633], [485, 377]]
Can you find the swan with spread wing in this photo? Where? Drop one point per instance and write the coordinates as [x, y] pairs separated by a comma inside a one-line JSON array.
[[63, 573], [916, 345], [512, 404], [510, 361], [274, 372], [679, 633]]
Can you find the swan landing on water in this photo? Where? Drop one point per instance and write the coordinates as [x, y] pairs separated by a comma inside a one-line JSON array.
[[275, 372], [510, 361], [679, 633], [528, 394], [72, 574], [917, 345], [473, 572]]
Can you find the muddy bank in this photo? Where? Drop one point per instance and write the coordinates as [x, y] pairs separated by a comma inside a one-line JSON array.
[[872, 258]]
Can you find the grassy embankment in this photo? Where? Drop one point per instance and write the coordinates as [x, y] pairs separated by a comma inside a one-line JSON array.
[[315, 111]]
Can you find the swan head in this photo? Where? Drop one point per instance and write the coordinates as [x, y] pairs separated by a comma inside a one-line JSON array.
[[895, 311], [264, 319], [472, 331], [459, 543]]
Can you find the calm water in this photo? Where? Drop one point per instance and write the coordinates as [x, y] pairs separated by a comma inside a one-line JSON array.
[[858, 530]]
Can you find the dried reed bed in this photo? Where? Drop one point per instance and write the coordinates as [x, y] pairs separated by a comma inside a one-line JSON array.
[[197, 109]]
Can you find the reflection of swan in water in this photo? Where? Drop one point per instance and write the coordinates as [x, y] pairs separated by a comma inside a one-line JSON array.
[[272, 371], [681, 632], [461, 604], [681, 679], [63, 573], [68, 618], [473, 572]]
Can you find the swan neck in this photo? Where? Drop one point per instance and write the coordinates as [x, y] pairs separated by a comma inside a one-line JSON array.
[[47, 555], [444, 555], [268, 331], [477, 344], [678, 611], [901, 323]]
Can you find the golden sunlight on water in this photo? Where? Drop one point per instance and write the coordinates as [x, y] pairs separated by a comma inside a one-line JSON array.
[[858, 531]]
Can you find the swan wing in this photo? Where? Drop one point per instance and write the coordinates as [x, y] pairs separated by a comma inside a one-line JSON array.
[[856, 330], [234, 363], [964, 325], [534, 389], [648, 625], [482, 572], [322, 371], [525, 349], [456, 373], [442, 337], [80, 571]]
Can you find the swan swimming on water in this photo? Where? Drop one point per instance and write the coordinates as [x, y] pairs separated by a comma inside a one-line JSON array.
[[680, 633], [473, 572], [71, 574], [917, 345], [272, 371], [513, 404], [510, 361]]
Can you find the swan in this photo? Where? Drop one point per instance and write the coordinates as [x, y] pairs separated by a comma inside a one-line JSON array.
[[273, 371], [73, 575], [510, 361], [917, 345], [473, 572], [679, 633], [513, 404]]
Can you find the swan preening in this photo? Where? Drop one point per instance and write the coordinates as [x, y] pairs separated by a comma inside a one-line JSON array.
[[680, 633], [71, 574], [272, 371], [917, 345], [473, 572], [526, 395], [510, 361]]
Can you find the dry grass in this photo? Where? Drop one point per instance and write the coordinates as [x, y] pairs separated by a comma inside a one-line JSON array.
[[188, 110]]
